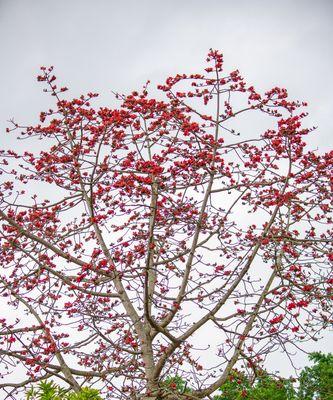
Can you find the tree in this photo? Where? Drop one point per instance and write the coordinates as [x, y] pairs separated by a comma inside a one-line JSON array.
[[51, 391], [237, 387], [276, 389], [127, 231], [263, 387], [316, 382]]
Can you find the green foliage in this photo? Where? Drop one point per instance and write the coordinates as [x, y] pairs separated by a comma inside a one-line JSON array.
[[85, 394], [176, 383], [271, 388], [52, 391], [238, 387], [46, 391], [316, 382]]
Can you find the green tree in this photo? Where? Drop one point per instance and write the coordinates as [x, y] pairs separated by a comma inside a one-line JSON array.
[[265, 387], [46, 391], [52, 391], [176, 383], [268, 387], [237, 387], [316, 382]]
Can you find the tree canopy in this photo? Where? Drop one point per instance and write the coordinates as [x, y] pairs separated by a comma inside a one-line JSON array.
[[317, 381], [128, 231]]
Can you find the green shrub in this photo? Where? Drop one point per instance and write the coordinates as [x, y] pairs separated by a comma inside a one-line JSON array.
[[52, 391]]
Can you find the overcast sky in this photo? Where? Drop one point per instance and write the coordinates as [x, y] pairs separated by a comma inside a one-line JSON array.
[[104, 45]]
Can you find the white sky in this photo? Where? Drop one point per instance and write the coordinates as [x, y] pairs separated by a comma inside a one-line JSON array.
[[104, 45]]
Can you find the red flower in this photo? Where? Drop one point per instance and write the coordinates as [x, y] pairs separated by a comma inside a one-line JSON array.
[[276, 319]]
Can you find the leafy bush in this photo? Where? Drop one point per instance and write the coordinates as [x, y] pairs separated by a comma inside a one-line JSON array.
[[271, 388], [317, 382], [177, 384], [52, 391], [265, 387]]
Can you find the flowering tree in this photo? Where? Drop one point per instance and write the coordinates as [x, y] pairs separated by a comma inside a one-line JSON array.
[[156, 222]]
